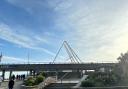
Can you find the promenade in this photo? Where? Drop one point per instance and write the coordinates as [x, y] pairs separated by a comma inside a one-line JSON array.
[[16, 86]]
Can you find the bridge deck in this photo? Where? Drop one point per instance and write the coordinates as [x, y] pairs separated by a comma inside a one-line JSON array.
[[54, 67]]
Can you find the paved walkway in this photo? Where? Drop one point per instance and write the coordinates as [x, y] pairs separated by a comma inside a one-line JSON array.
[[16, 86], [83, 78]]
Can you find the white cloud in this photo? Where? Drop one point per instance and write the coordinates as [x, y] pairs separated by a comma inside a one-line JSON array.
[[6, 33], [31, 6], [10, 59], [97, 30], [41, 40]]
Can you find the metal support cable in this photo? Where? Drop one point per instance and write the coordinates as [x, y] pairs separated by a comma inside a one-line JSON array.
[[69, 54], [76, 56], [58, 53], [72, 57], [73, 53]]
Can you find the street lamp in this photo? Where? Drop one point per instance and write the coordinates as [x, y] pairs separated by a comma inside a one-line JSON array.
[[1, 57]]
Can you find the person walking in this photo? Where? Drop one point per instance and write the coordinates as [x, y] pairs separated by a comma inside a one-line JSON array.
[[13, 77], [11, 84]]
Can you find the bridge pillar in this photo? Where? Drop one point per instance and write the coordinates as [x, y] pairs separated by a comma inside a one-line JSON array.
[[81, 72], [3, 74], [31, 72], [10, 74], [85, 72], [56, 75], [34, 73]]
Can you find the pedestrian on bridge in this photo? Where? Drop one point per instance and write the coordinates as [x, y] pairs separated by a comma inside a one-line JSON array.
[[11, 84]]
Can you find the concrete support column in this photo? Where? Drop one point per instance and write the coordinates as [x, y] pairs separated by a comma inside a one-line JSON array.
[[10, 74], [30, 72], [56, 75], [85, 72], [3, 74], [34, 73], [81, 72]]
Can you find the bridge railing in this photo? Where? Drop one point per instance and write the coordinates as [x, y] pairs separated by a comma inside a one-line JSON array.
[[52, 63]]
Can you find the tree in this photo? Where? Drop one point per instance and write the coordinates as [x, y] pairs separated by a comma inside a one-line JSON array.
[[123, 66], [100, 79]]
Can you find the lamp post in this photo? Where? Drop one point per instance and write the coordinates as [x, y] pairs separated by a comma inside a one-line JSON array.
[[1, 57], [28, 64]]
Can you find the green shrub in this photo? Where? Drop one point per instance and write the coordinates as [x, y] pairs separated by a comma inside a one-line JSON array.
[[43, 74], [29, 82], [100, 80], [39, 79], [99, 84], [34, 81], [87, 83]]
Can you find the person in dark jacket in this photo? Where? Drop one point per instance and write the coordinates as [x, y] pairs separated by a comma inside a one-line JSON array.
[[11, 84], [13, 77]]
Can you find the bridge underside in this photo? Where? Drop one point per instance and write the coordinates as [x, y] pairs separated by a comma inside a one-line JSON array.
[[55, 67]]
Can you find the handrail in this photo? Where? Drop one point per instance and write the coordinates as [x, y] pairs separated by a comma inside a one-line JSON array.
[[56, 63], [64, 76]]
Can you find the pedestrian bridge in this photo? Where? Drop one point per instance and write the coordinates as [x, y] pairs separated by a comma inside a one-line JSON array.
[[35, 68], [55, 67]]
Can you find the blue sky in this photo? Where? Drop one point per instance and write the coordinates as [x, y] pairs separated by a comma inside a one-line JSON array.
[[96, 29]]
